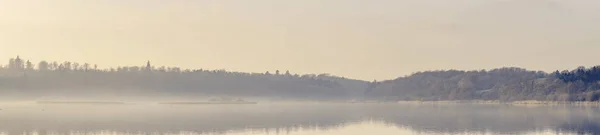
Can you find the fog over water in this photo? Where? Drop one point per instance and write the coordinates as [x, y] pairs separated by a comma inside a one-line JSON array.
[[297, 118], [299, 67]]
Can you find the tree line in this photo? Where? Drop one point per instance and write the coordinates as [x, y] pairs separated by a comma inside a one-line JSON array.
[[505, 84], [22, 76], [587, 75]]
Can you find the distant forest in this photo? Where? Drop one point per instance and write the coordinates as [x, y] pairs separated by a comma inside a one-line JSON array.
[[504, 84], [23, 77]]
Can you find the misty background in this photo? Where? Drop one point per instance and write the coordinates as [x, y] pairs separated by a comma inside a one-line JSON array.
[[354, 38], [21, 78], [338, 49], [364, 56]]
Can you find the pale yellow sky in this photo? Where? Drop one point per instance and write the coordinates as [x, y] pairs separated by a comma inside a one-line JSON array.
[[364, 39]]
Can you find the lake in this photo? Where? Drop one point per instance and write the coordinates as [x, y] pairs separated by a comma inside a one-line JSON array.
[[297, 119]]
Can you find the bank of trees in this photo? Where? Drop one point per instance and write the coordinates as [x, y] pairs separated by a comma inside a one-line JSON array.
[[506, 84], [23, 76], [587, 75]]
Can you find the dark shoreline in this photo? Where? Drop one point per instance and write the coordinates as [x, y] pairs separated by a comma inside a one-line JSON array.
[[203, 103], [79, 102]]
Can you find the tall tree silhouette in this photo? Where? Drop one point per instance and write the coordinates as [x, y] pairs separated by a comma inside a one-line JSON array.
[[19, 64], [148, 66], [11, 64], [43, 66], [28, 65], [86, 67], [287, 73]]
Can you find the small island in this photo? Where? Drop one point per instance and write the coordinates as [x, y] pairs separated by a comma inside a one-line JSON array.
[[79, 102], [213, 101]]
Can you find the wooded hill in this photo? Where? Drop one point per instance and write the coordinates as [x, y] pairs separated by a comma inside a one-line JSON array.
[[505, 84]]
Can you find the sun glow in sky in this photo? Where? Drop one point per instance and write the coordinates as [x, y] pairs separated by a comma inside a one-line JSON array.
[[380, 39]]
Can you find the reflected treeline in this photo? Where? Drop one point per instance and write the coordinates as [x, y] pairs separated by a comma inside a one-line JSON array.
[[166, 119], [504, 119], [582, 126], [200, 119], [23, 77]]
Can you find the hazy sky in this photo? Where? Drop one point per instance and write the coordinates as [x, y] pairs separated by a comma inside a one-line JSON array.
[[364, 39]]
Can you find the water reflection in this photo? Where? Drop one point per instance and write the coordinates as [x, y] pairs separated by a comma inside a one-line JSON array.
[[334, 119]]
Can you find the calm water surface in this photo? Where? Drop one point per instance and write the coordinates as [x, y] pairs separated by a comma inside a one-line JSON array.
[[297, 119]]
